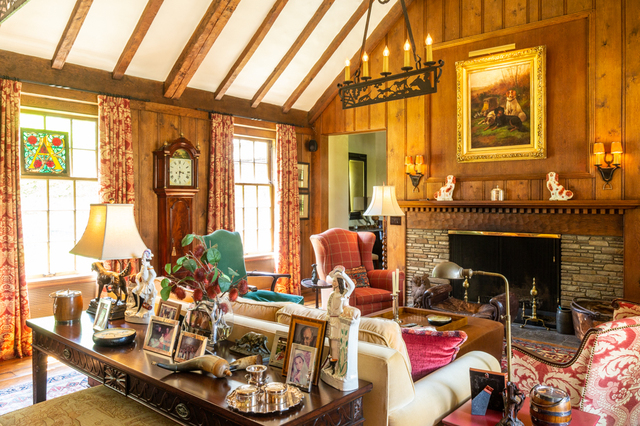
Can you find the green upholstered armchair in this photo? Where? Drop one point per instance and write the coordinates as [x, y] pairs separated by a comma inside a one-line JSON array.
[[232, 255]]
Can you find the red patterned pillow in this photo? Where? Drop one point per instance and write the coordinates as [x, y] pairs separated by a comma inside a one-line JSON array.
[[429, 350], [359, 276]]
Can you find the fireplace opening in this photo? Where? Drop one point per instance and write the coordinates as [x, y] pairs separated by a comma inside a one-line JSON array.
[[520, 258]]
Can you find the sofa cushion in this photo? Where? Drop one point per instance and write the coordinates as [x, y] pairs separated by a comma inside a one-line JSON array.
[[369, 295], [625, 309], [430, 349], [256, 309], [359, 276], [272, 296]]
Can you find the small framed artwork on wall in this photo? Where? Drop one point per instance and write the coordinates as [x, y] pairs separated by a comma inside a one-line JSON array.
[[303, 176], [304, 206]]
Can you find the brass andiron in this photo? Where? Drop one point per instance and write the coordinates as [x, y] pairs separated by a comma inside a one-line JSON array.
[[534, 309], [465, 285], [394, 299]]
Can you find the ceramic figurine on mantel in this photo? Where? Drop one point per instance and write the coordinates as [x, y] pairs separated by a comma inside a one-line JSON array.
[[558, 193], [144, 293], [344, 321], [446, 192]]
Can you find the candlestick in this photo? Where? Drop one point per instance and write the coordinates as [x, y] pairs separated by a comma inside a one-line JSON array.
[[407, 58], [365, 65], [397, 280], [395, 308], [347, 70], [385, 60], [429, 49]]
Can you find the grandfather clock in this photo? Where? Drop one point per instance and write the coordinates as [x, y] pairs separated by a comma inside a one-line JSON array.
[[175, 181]]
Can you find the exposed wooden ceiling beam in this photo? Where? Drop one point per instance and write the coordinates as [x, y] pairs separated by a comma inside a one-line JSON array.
[[251, 48], [328, 53], [210, 27], [376, 37], [80, 11], [288, 57], [145, 21]]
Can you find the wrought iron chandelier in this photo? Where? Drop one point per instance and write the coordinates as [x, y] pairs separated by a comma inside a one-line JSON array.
[[363, 90]]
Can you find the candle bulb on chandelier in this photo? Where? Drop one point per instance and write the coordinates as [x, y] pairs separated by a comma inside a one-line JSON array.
[[385, 60], [429, 56], [365, 65], [347, 70], [407, 57]]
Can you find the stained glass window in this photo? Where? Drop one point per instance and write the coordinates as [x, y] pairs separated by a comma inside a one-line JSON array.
[[45, 152]]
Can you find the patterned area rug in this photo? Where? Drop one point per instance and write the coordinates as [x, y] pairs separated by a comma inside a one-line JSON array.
[[556, 353], [21, 396]]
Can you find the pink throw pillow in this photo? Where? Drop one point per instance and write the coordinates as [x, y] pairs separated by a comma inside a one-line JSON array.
[[429, 350]]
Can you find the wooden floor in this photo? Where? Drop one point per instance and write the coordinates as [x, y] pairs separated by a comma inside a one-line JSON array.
[[18, 371]]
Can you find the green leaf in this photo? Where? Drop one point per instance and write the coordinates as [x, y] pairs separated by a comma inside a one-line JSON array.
[[167, 268], [190, 265], [188, 239], [233, 273], [165, 282], [225, 285], [176, 267], [187, 278], [165, 293], [213, 256], [181, 260]]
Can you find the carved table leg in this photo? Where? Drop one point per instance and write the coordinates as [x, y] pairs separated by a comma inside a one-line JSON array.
[[39, 370]]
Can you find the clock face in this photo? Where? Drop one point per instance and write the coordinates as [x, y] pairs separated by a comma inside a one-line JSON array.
[[180, 171]]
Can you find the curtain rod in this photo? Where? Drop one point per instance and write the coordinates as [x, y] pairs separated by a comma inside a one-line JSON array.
[[247, 118], [131, 98]]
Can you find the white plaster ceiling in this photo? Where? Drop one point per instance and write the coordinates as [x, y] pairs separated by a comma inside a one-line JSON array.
[[36, 28]]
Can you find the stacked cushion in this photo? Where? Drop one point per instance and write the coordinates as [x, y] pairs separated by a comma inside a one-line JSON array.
[[430, 349]]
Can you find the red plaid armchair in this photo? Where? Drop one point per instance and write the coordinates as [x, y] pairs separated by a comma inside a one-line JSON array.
[[602, 378], [352, 249]]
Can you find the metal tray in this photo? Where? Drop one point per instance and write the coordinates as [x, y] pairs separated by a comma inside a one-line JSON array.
[[292, 399]]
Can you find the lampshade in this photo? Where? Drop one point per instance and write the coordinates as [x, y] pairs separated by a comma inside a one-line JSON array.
[[384, 202], [110, 234], [616, 147], [448, 270], [598, 148]]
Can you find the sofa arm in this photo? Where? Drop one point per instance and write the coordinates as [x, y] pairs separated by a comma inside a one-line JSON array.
[[436, 294], [499, 302], [441, 392], [381, 278]]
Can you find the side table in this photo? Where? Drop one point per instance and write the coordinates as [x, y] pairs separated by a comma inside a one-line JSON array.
[[463, 417], [317, 287]]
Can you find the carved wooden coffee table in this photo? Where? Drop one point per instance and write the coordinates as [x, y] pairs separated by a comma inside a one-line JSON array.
[[187, 398]]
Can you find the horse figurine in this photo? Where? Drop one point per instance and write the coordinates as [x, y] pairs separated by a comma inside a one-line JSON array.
[[115, 282]]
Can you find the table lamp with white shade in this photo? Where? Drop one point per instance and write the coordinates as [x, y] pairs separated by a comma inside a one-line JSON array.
[[111, 234], [384, 203]]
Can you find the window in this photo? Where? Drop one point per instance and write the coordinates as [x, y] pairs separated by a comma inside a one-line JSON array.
[[55, 209], [254, 194]]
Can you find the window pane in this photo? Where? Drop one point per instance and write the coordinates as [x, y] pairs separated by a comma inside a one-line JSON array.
[[236, 172], [236, 150], [250, 242], [34, 194], [264, 196], [58, 124], [262, 173], [34, 227], [239, 219], [250, 218], [83, 265], [264, 218], [36, 261], [261, 152], [60, 194], [61, 226], [86, 194], [246, 150], [250, 196], [239, 193], [264, 241], [61, 259], [84, 134], [246, 172], [31, 121], [84, 163]]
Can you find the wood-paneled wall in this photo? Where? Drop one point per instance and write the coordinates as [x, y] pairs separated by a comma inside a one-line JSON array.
[[593, 89]]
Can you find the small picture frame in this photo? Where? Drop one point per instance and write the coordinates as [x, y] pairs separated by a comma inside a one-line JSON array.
[[170, 310], [161, 335], [102, 314], [302, 366], [190, 345], [307, 332], [304, 206], [303, 176], [279, 349], [496, 380]]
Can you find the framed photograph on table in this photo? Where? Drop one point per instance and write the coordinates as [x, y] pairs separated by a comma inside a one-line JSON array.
[[303, 176], [102, 314], [302, 366], [190, 345], [304, 206], [170, 310], [161, 335], [278, 349], [307, 332]]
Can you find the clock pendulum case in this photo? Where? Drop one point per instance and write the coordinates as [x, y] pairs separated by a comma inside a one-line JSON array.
[[175, 177]]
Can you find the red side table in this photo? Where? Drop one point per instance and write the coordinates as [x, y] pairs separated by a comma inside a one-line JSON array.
[[463, 417]]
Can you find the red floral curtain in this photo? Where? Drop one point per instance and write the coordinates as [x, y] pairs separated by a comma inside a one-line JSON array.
[[115, 154], [14, 300], [221, 207], [287, 210]]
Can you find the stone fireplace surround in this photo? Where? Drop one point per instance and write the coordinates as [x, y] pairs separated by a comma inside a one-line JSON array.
[[592, 260]]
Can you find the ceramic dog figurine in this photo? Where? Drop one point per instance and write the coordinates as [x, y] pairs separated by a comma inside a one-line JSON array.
[[557, 191], [446, 192]]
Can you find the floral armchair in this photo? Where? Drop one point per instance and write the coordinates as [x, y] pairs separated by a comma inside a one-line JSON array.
[[336, 247], [603, 378]]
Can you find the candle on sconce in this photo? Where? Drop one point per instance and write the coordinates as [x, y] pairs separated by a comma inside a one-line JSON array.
[[419, 163], [408, 164], [385, 60], [598, 150], [429, 48], [407, 58], [616, 150], [347, 70], [365, 65]]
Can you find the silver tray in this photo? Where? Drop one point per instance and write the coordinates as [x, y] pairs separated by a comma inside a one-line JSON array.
[[293, 397]]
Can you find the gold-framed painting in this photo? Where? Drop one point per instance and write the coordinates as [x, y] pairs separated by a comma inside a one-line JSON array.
[[502, 106]]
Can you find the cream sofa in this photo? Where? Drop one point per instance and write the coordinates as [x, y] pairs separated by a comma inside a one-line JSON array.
[[395, 398]]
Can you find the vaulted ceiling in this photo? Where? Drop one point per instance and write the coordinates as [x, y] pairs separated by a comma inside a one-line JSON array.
[[288, 53]]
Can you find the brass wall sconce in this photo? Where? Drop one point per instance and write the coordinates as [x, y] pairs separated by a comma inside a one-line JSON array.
[[414, 170], [613, 158]]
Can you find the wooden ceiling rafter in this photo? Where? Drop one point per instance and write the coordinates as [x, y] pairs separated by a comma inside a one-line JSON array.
[[250, 48], [335, 43], [210, 27], [291, 53], [80, 12], [376, 37], [145, 21]]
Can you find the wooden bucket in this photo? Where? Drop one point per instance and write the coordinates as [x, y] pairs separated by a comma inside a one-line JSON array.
[[549, 406]]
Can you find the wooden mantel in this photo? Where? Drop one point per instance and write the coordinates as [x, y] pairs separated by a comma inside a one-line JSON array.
[[520, 206]]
